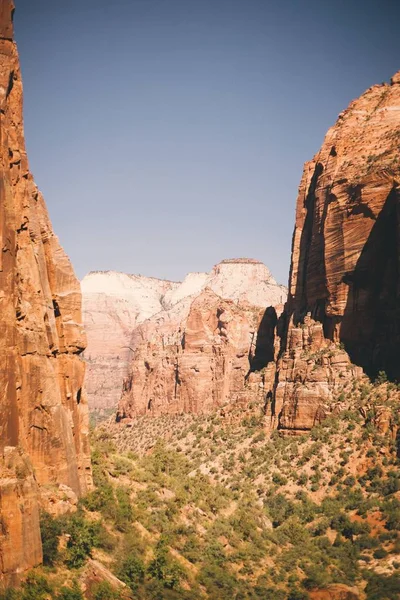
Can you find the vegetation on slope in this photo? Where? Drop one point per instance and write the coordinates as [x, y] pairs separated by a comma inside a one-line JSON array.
[[205, 507]]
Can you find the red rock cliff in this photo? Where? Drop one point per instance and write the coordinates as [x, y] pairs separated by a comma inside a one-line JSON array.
[[344, 276], [346, 243], [43, 419]]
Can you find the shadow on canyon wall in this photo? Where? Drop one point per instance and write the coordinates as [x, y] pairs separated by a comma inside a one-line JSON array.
[[370, 329], [264, 352], [370, 326]]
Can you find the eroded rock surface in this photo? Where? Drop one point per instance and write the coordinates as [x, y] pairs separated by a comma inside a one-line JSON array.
[[346, 253], [204, 352], [343, 307], [115, 305], [311, 375], [44, 419]]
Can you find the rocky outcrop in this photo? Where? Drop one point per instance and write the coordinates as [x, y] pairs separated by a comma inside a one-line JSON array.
[[312, 373], [115, 304], [337, 591], [43, 421], [208, 350], [345, 261]]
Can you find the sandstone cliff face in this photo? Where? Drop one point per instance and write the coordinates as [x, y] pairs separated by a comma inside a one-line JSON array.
[[345, 260], [311, 375], [43, 422], [203, 352]]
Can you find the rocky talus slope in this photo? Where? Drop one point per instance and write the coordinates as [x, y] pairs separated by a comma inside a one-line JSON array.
[[44, 418], [203, 352], [344, 291], [117, 310]]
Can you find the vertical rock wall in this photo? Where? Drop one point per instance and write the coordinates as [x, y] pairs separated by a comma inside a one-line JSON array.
[[43, 416], [345, 272]]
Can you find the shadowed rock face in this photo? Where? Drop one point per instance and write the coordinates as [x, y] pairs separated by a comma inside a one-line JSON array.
[[345, 254], [43, 417], [344, 274]]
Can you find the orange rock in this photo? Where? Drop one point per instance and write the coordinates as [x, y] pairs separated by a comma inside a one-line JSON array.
[[344, 284], [310, 374], [336, 591], [44, 418], [345, 254], [115, 304], [200, 356]]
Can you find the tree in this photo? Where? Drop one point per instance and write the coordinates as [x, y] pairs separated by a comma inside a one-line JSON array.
[[50, 531]]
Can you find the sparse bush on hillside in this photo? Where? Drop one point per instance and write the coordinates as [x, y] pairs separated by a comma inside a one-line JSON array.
[[104, 591], [70, 593], [382, 587], [132, 571], [223, 511], [36, 587], [164, 569], [50, 531], [82, 537]]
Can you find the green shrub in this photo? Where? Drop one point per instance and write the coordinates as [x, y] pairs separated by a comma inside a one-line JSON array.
[[82, 538], [104, 591], [279, 508], [381, 587], [219, 583], [10, 594], [132, 571], [316, 577], [164, 569], [380, 553], [50, 531], [279, 479], [36, 587], [123, 510], [70, 593], [297, 595]]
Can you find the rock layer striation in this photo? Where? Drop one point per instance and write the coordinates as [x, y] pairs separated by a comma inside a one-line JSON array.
[[44, 419], [344, 286]]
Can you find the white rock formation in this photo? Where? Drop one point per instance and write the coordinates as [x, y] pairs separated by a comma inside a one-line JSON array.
[[114, 304]]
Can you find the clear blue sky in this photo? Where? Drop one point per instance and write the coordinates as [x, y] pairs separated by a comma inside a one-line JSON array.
[[167, 135]]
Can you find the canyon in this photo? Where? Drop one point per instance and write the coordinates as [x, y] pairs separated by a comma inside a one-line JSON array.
[[44, 443], [204, 482], [341, 321], [140, 334], [113, 305]]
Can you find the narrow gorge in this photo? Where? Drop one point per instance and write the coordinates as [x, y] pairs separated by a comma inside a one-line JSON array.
[[162, 347], [245, 436]]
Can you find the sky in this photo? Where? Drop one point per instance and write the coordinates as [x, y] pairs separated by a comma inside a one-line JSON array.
[[167, 135]]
